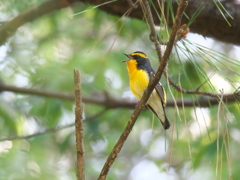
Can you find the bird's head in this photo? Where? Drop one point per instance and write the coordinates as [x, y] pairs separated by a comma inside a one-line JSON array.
[[137, 57]]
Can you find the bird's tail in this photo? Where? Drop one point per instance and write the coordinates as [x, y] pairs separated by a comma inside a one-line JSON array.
[[166, 123], [164, 120]]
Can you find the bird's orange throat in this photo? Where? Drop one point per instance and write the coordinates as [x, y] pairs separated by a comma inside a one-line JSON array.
[[138, 78], [132, 67]]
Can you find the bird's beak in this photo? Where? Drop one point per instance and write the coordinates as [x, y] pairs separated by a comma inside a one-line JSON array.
[[129, 56]]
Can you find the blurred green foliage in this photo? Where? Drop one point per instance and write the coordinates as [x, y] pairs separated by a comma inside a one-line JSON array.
[[43, 54]]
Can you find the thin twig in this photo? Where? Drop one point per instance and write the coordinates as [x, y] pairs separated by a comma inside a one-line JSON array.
[[47, 131], [133, 5], [150, 21], [219, 124], [52, 130], [79, 126], [205, 93], [126, 14], [146, 95], [174, 100], [163, 60], [225, 135], [185, 122], [153, 35]]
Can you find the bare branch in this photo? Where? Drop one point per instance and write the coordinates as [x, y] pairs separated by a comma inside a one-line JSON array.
[[147, 93], [153, 35], [52, 130], [235, 94], [9, 28], [111, 102], [79, 126], [37, 92], [47, 131]]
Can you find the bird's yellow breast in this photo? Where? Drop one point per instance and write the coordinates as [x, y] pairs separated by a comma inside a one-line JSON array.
[[139, 79]]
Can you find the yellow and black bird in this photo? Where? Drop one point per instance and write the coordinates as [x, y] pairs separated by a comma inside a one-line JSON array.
[[140, 70]]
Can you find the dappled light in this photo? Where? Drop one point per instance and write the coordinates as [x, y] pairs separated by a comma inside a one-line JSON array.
[[43, 42]]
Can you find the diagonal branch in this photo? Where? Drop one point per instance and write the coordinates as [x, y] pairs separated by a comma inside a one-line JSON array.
[[148, 91], [9, 28], [52, 130]]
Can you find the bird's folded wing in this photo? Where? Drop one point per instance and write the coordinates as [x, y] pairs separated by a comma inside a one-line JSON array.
[[161, 92]]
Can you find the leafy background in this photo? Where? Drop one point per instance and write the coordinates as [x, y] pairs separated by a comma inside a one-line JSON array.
[[203, 143]]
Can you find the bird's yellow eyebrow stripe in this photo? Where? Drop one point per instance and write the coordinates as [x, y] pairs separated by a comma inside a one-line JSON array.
[[139, 54]]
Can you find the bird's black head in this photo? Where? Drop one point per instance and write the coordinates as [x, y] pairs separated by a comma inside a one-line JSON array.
[[140, 57]]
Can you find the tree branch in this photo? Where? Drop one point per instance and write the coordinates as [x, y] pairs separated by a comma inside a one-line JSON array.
[[234, 95], [111, 102], [37, 92], [209, 23], [79, 126], [9, 28], [147, 92], [153, 35]]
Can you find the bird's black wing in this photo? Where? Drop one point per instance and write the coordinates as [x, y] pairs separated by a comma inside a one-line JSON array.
[[158, 87], [160, 90], [161, 93]]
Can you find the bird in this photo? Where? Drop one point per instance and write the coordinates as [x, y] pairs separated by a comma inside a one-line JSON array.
[[140, 72]]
